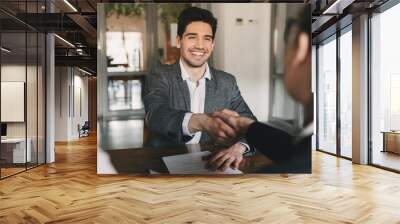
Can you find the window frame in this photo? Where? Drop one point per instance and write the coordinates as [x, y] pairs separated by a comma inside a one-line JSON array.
[[333, 37]]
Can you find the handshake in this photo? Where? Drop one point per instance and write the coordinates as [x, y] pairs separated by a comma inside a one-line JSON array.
[[225, 126]]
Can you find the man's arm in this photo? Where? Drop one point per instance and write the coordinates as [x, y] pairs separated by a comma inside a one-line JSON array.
[[160, 118], [276, 144]]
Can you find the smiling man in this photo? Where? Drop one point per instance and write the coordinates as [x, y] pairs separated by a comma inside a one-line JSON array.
[[179, 98]]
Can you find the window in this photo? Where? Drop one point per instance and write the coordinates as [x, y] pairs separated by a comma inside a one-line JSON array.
[[346, 93], [385, 88], [327, 95], [126, 55], [126, 32], [124, 94], [335, 74]]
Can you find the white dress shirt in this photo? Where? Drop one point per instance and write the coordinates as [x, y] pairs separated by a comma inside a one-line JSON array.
[[197, 92]]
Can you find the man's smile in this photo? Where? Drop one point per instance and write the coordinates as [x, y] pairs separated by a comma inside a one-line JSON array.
[[198, 53]]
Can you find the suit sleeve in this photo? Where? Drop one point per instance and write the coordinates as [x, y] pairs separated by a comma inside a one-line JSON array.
[[160, 117], [272, 142]]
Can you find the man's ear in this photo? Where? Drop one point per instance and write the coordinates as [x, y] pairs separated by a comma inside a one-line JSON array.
[[303, 43], [178, 42]]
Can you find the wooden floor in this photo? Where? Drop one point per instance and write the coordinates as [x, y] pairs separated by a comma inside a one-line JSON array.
[[70, 191], [10, 171]]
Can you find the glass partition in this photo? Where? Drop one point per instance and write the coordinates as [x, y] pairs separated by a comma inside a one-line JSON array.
[[22, 88], [14, 153]]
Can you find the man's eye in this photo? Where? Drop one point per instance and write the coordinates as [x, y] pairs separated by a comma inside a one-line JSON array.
[[191, 37]]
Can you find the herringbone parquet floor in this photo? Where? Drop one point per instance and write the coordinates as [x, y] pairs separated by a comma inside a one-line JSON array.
[[70, 191]]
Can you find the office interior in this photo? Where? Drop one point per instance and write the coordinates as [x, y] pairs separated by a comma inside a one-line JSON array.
[[121, 113], [52, 111]]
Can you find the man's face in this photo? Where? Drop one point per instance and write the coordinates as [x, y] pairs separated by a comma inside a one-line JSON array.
[[196, 44]]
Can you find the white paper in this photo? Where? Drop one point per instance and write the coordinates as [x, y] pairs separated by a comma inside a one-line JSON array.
[[192, 163], [153, 172]]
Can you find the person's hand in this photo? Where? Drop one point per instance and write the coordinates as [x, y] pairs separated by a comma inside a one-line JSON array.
[[239, 124], [227, 112], [225, 158], [214, 126]]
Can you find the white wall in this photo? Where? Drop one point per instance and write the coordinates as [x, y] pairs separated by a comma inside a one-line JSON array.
[[243, 49], [33, 126], [61, 103], [67, 115], [79, 117], [12, 73]]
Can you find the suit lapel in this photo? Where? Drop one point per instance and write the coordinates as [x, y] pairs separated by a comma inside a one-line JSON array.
[[210, 93], [185, 92], [182, 86]]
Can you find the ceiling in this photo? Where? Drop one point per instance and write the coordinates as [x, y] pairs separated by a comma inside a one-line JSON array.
[[76, 22], [336, 14]]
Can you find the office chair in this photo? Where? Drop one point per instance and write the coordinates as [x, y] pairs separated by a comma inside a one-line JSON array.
[[84, 130]]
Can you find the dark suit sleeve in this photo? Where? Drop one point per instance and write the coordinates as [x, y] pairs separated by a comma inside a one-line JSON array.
[[290, 156], [272, 142], [160, 117]]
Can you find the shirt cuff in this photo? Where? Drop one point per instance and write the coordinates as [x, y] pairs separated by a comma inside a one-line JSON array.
[[247, 147], [185, 125]]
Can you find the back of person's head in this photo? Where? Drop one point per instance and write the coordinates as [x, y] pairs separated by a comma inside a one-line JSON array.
[[301, 23], [195, 14], [297, 72]]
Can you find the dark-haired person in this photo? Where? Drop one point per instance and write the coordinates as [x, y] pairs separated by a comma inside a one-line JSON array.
[[292, 154], [179, 98]]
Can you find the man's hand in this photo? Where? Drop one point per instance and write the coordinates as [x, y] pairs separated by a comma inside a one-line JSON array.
[[225, 158], [214, 126], [239, 124]]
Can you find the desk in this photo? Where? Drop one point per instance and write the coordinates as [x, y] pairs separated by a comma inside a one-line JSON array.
[[140, 160], [391, 141], [13, 150]]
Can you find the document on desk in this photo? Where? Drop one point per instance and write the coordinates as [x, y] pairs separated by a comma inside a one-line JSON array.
[[192, 163]]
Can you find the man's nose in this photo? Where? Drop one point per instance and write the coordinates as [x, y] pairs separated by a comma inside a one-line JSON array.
[[199, 44]]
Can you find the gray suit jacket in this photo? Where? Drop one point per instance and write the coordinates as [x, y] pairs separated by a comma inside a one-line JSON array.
[[167, 99]]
